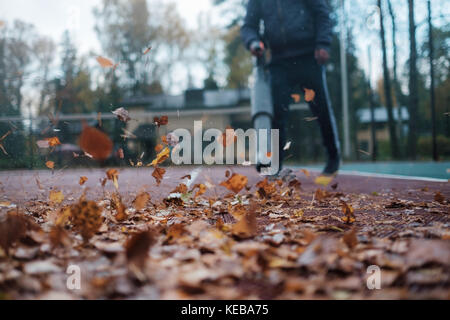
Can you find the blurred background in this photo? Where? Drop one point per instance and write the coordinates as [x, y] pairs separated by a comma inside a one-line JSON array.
[[388, 79]]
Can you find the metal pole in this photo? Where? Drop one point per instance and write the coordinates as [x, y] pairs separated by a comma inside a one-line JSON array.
[[344, 81], [432, 95]]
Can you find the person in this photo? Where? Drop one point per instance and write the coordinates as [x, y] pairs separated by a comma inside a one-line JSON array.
[[298, 33]]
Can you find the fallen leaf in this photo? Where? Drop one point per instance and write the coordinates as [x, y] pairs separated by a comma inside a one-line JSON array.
[[182, 188], [309, 95], [201, 189], [246, 227], [86, 218], [349, 212], [235, 183], [116, 204], [105, 62], [96, 143], [141, 201], [120, 153], [320, 195], [174, 232], [13, 228], [147, 51], [438, 197], [323, 180], [48, 142], [56, 196], [158, 174], [113, 174], [164, 120], [305, 172], [82, 180], [350, 238], [161, 157], [50, 165], [58, 236], [122, 114], [137, 247], [296, 97]]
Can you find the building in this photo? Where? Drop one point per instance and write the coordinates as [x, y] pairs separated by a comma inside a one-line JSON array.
[[381, 122]]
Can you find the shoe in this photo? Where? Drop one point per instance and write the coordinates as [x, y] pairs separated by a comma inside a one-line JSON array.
[[332, 166]]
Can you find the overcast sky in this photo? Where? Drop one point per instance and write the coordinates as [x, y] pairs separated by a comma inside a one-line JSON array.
[[52, 17]]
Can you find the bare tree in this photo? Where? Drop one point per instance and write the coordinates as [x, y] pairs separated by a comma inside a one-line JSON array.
[[413, 84], [397, 91], [432, 93], [387, 88], [44, 49]]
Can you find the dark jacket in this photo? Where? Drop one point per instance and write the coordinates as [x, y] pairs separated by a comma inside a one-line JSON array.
[[291, 27]]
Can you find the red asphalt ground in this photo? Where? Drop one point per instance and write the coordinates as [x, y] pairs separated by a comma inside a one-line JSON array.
[[21, 186], [401, 216]]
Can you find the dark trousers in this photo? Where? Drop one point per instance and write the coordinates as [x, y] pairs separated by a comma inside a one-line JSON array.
[[295, 74]]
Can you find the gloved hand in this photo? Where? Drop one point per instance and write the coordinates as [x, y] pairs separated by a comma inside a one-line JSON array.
[[257, 48], [322, 56]]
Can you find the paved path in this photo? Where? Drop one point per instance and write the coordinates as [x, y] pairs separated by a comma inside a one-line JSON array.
[[21, 186]]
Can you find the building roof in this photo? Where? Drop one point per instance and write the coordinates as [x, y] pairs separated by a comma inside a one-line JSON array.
[[191, 99], [381, 115]]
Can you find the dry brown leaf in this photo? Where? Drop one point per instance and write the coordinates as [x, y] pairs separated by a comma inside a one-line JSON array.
[[158, 174], [323, 180], [113, 174], [13, 228], [182, 188], [50, 165], [105, 62], [305, 172], [58, 236], [83, 180], [235, 183], [86, 218], [321, 195], [147, 50], [96, 143], [174, 232], [246, 227], [349, 212], [120, 153], [296, 97], [438, 197], [141, 201], [164, 120], [56, 197], [201, 189], [350, 238], [161, 157], [137, 247], [309, 95], [116, 204]]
